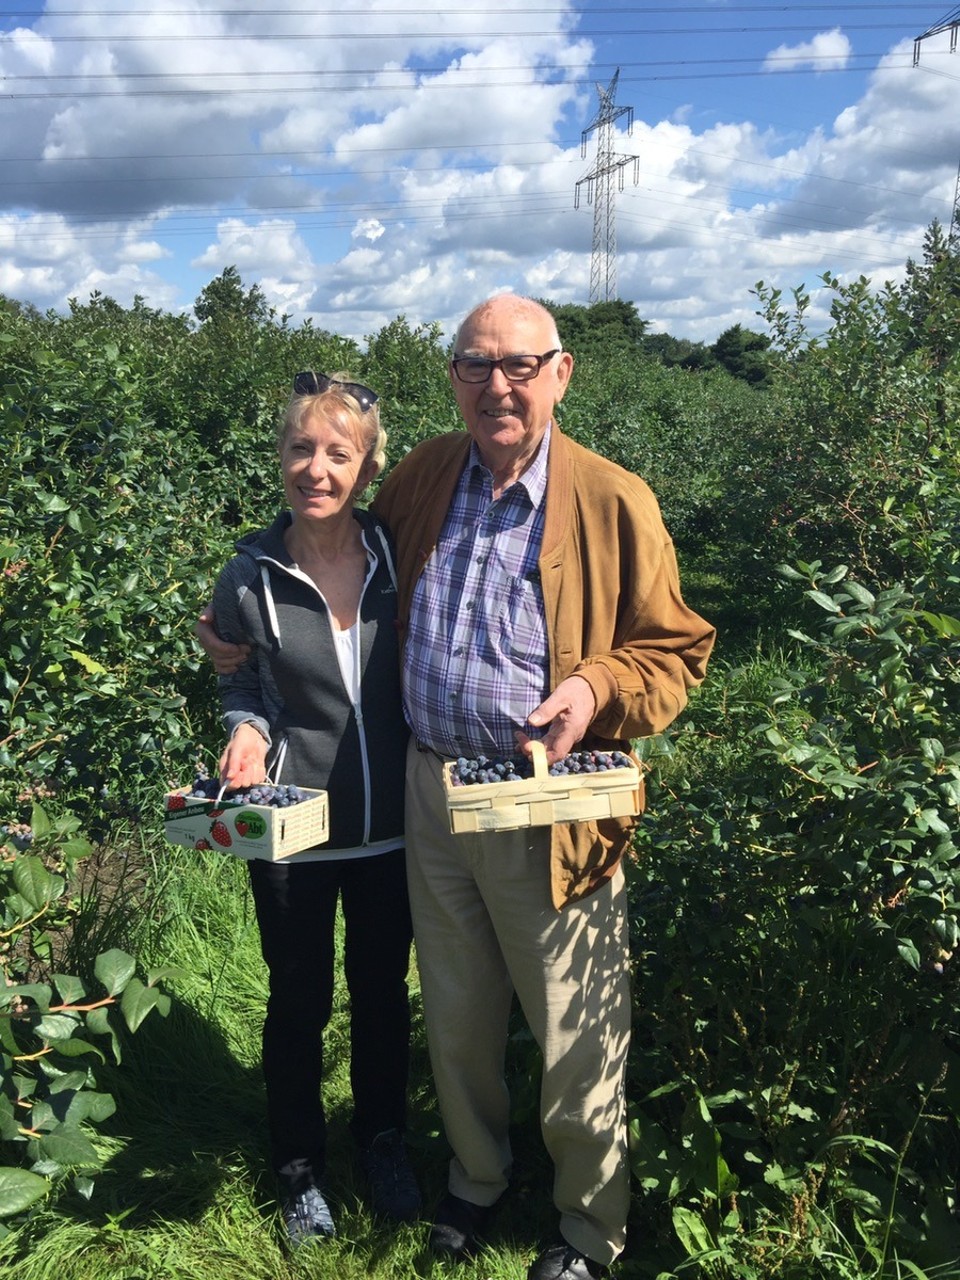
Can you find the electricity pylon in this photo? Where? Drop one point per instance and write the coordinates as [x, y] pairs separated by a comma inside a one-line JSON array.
[[950, 23], [601, 193]]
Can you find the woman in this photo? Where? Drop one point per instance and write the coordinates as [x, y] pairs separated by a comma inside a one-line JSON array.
[[318, 705]]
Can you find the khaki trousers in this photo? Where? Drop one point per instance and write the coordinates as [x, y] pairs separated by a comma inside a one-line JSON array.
[[484, 927]]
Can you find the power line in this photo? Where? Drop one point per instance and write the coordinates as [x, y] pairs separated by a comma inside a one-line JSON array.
[[405, 12], [448, 84], [269, 37], [541, 68]]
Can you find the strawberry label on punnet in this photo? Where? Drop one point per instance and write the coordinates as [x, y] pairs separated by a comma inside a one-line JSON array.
[[250, 824]]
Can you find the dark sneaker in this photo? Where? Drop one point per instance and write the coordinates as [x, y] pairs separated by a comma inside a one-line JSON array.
[[457, 1227], [563, 1262], [393, 1188], [307, 1217]]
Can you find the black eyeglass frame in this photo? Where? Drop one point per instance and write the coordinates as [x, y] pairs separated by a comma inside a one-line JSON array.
[[308, 383], [498, 364]]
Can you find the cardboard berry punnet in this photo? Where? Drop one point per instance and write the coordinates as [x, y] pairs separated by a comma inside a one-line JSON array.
[[247, 830]]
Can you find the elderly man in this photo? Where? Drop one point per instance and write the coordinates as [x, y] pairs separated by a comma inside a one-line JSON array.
[[538, 592], [538, 595]]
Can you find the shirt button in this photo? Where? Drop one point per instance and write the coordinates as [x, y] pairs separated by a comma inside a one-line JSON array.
[[470, 604], [458, 652]]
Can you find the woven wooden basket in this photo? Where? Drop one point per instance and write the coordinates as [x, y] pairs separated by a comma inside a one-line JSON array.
[[542, 800]]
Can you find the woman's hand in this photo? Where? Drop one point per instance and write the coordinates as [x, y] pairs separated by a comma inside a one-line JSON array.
[[226, 657], [244, 759]]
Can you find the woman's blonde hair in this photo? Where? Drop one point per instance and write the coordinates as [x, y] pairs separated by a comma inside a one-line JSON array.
[[370, 435]]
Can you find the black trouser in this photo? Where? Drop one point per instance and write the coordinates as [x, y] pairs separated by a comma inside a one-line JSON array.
[[296, 909]]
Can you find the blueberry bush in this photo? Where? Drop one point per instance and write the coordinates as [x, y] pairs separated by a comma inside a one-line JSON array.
[[795, 1075]]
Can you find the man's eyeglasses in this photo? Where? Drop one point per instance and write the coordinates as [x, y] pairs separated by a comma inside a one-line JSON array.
[[513, 368], [309, 383]]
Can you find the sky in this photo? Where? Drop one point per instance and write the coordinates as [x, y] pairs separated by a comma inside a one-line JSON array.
[[400, 157]]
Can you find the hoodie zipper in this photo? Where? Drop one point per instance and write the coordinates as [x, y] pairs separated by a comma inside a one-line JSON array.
[[356, 707]]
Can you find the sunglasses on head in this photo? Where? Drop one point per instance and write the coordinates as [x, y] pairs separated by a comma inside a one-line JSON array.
[[309, 383]]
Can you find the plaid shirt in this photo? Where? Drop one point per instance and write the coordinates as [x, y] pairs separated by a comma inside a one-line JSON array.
[[475, 658]]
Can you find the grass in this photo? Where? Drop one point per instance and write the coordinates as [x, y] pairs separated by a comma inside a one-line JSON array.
[[186, 1192]]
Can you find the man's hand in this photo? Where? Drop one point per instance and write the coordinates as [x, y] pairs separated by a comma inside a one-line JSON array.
[[226, 658], [568, 711], [244, 759]]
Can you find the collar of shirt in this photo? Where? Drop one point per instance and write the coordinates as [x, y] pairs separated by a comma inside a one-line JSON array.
[[534, 479]]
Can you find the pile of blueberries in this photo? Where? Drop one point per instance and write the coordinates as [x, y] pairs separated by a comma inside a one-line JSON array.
[[467, 773], [279, 796]]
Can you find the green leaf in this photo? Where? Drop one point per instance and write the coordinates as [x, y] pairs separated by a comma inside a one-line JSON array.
[[38, 992], [824, 601], [89, 664], [77, 847], [57, 1026], [39, 821], [34, 882], [114, 969], [8, 1041], [943, 624], [76, 1048], [89, 1105], [692, 1232], [860, 594], [70, 1080], [138, 1000], [69, 1147], [654, 1159], [51, 503], [70, 987], [9, 1125], [789, 572], [835, 575], [98, 1022], [19, 1189]]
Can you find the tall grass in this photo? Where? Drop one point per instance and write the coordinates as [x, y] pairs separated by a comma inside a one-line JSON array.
[[187, 1193]]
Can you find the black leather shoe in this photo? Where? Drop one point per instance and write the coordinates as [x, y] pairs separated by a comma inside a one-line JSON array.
[[563, 1262], [457, 1226]]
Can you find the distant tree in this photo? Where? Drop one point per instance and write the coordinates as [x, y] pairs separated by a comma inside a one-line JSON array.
[[603, 326], [678, 352], [930, 295], [13, 307], [225, 299], [743, 353], [407, 365]]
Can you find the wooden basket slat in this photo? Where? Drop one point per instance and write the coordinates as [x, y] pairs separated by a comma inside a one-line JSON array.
[[542, 800]]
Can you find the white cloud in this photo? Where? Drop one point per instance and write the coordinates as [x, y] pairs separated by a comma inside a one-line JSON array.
[[368, 229], [828, 51], [432, 160]]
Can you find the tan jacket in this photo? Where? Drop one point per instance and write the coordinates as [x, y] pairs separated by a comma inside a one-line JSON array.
[[611, 594]]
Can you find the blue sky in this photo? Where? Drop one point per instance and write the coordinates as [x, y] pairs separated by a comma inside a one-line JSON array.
[[367, 160]]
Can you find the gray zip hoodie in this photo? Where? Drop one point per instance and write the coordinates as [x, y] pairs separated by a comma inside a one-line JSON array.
[[292, 690]]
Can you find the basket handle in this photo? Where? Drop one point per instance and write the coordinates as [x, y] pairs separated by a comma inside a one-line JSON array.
[[538, 757], [267, 781]]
